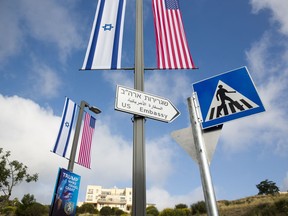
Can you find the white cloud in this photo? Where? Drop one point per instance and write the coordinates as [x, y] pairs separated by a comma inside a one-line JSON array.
[[45, 21], [44, 81], [112, 156], [163, 199], [278, 8], [50, 21], [270, 75], [11, 32], [159, 160], [175, 86], [29, 132], [119, 78], [257, 56]]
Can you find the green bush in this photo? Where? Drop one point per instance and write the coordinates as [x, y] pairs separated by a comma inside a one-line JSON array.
[[198, 208], [8, 210]]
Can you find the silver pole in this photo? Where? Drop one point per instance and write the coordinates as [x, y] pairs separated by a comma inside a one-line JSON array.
[[76, 136], [197, 131], [139, 176]]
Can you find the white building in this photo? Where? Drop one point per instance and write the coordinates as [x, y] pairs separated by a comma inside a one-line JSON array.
[[114, 197]]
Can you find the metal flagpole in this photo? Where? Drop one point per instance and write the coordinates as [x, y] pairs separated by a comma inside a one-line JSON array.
[[95, 110], [139, 177], [76, 137], [197, 131]]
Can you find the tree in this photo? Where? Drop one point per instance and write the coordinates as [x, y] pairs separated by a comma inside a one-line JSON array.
[[28, 199], [181, 206], [198, 208], [182, 210], [9, 207], [152, 211], [29, 207], [267, 187], [119, 212], [105, 211], [86, 208], [167, 212], [12, 173]]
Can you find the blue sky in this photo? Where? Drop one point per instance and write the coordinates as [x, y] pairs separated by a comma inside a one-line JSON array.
[[42, 47]]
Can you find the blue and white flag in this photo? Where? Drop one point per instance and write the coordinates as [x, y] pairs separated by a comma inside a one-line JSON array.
[[63, 137], [105, 44]]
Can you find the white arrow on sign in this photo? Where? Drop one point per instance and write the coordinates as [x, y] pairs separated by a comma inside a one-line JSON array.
[[144, 104]]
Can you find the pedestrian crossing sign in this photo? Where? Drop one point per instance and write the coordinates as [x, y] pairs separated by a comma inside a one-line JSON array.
[[226, 97]]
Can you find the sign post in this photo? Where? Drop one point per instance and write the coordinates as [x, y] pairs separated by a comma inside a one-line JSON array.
[[139, 170], [207, 185]]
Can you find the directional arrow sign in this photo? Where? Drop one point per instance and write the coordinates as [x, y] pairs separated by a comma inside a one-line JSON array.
[[143, 104]]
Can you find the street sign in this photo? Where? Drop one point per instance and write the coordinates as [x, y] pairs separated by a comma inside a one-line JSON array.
[[226, 97], [184, 137], [137, 102]]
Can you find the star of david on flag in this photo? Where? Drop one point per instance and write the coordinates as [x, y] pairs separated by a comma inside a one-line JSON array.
[[107, 27]]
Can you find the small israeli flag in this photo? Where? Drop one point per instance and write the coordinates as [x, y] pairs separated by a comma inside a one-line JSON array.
[[66, 126]]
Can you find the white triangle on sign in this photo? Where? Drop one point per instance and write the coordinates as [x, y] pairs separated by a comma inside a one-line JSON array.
[[184, 137], [227, 101]]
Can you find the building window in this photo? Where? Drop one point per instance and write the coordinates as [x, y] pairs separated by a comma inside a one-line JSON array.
[[90, 191], [89, 198]]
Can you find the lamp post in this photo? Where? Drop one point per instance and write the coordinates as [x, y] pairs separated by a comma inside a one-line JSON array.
[[77, 131]]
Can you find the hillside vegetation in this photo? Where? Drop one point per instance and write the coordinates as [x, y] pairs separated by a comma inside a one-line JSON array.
[[260, 205]]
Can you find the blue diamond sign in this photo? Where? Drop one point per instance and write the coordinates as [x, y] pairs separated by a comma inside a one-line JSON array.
[[226, 97]]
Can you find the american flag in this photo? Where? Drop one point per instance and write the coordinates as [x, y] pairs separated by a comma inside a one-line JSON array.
[[171, 43], [84, 157]]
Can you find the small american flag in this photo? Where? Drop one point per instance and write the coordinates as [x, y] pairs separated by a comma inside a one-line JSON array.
[[171, 43], [84, 157]]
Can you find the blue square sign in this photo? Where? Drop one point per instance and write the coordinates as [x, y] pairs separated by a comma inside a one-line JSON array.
[[226, 97]]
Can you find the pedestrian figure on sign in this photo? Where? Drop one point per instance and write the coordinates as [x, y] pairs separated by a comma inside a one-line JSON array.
[[221, 94]]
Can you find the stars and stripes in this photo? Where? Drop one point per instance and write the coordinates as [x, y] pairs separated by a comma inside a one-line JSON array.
[[171, 43], [84, 157]]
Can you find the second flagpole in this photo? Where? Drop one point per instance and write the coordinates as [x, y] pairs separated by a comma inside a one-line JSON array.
[[139, 169]]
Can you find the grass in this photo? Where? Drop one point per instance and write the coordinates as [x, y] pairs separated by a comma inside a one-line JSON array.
[[255, 205]]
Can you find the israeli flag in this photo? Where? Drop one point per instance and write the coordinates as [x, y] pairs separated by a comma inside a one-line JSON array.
[[105, 44], [66, 126]]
